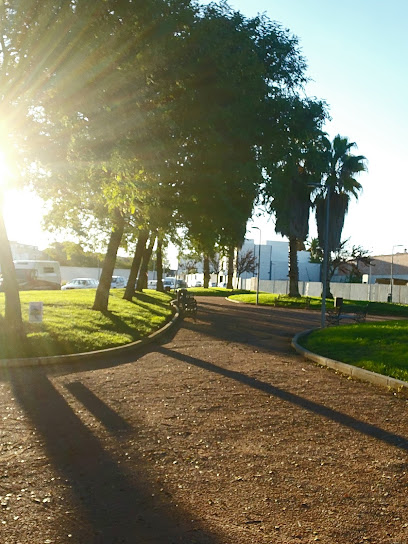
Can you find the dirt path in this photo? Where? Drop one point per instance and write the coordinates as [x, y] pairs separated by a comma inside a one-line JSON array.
[[221, 435]]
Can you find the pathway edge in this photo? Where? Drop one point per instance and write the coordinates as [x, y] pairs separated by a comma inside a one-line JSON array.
[[349, 370], [90, 355]]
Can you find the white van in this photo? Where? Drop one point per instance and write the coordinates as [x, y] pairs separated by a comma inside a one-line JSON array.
[[37, 275]]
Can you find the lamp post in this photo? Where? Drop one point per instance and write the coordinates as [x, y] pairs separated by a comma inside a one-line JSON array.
[[259, 265], [325, 259], [392, 267]]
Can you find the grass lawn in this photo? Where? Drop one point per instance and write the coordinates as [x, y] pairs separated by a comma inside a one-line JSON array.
[[374, 308], [214, 291], [71, 326], [379, 347]]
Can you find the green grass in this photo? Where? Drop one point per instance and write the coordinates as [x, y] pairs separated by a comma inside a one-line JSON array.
[[214, 291], [379, 347], [71, 326], [374, 308]]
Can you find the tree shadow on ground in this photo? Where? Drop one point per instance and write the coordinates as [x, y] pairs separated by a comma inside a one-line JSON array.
[[115, 505], [314, 407], [266, 328], [120, 325]]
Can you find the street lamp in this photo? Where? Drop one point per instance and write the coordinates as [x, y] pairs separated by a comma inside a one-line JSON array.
[[325, 264], [259, 264], [325, 259], [392, 266]]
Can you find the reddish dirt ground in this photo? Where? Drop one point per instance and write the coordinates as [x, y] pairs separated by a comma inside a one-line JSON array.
[[220, 435]]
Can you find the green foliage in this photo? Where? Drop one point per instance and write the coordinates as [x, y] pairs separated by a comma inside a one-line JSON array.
[[341, 170], [73, 254], [71, 326], [379, 347]]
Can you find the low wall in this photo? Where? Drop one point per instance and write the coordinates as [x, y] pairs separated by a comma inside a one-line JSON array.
[[350, 291]]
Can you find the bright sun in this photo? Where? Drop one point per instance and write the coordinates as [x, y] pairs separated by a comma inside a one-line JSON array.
[[23, 212]]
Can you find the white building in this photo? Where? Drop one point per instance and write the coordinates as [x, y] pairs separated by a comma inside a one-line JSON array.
[[22, 252], [274, 261], [274, 264]]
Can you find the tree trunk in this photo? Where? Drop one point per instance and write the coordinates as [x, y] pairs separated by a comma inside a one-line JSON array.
[[159, 264], [142, 281], [102, 292], [231, 252], [206, 271], [13, 321], [293, 268], [137, 259]]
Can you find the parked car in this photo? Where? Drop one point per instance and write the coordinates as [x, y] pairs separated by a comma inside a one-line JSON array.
[[152, 284], [81, 283], [118, 282], [169, 283], [198, 283]]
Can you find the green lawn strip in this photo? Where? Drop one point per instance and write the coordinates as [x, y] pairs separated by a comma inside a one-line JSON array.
[[379, 347], [374, 308], [269, 299], [214, 291], [71, 326]]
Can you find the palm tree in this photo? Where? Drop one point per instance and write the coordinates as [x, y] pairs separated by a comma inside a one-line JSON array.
[[293, 174], [340, 186]]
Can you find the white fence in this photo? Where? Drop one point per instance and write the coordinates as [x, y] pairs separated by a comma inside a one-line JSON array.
[[350, 291]]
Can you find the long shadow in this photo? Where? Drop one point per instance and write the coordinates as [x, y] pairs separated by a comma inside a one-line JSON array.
[[262, 327], [120, 324], [108, 417], [118, 506], [314, 407]]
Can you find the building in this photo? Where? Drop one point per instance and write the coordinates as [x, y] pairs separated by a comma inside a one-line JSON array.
[[274, 261], [383, 266], [274, 265], [23, 252]]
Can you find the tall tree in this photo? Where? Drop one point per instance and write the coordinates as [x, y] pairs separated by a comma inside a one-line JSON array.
[[340, 185], [294, 164]]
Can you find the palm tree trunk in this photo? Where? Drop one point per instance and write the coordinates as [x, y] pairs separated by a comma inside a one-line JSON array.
[[206, 271], [142, 281], [102, 292], [159, 264], [12, 315], [231, 252], [137, 259], [293, 268]]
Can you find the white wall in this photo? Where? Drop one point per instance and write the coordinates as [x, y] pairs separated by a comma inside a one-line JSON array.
[[68, 273], [274, 257], [348, 291]]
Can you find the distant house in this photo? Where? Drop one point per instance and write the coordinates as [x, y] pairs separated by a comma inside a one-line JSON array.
[[380, 269], [25, 252]]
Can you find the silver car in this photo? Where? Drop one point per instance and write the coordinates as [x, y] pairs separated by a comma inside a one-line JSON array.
[[118, 282]]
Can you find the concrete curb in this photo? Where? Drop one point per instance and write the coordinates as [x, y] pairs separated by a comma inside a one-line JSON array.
[[232, 300], [91, 355], [350, 370]]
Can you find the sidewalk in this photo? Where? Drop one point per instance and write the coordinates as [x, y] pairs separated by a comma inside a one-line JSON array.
[[222, 434]]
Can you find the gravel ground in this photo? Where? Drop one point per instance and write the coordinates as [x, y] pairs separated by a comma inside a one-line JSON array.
[[220, 435]]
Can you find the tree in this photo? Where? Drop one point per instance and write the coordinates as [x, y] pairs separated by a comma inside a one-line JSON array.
[[348, 261], [340, 185], [316, 252], [293, 163], [246, 262], [26, 61]]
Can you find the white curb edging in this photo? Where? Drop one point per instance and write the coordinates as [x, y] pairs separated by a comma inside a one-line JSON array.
[[349, 370]]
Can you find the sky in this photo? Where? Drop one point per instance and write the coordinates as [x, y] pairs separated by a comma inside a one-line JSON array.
[[357, 54]]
